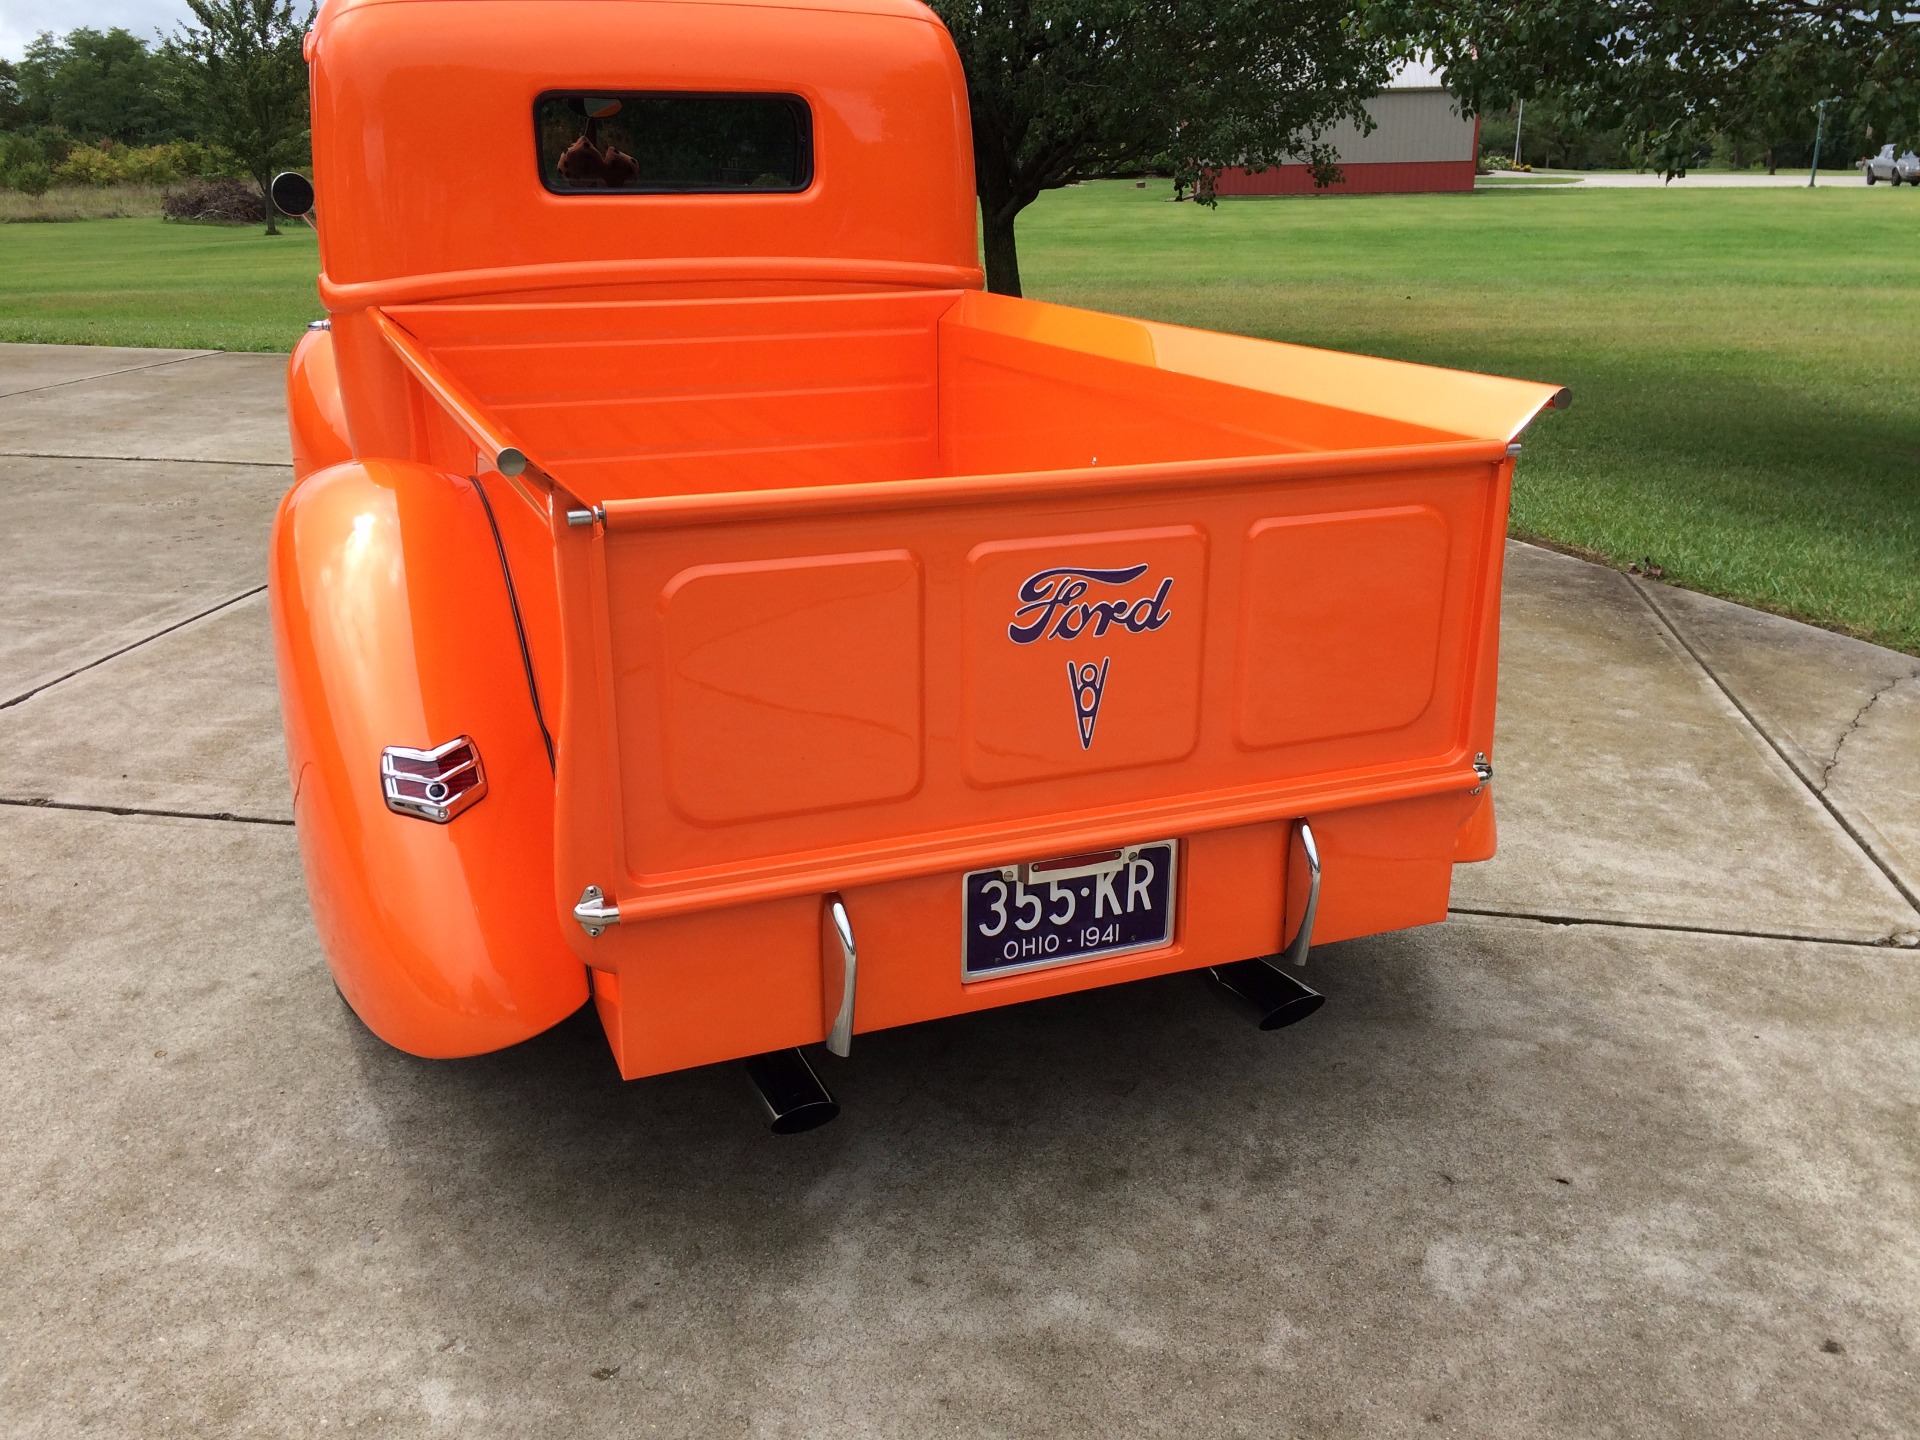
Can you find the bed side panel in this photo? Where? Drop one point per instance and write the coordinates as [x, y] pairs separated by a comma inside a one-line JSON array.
[[680, 396]]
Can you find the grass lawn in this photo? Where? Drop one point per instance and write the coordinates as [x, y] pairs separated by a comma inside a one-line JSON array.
[[1743, 361], [151, 282]]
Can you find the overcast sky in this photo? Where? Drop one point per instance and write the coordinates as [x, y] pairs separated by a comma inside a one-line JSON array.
[[21, 20]]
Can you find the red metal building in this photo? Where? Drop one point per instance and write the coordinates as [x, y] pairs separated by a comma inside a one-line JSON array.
[[1420, 142]]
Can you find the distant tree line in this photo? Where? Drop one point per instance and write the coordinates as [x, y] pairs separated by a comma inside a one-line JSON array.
[[226, 95], [1064, 89], [1673, 81], [1556, 132]]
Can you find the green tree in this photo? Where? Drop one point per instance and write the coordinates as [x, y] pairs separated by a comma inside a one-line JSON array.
[[1065, 90], [101, 85], [1552, 135], [248, 82], [12, 110], [1675, 73], [24, 162], [1772, 118]]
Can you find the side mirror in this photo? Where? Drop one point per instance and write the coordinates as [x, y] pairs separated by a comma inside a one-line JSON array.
[[292, 193]]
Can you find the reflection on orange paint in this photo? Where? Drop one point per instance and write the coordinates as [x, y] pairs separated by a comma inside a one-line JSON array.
[[832, 573]]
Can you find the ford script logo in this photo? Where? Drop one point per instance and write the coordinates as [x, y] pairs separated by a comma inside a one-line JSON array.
[[1054, 605]]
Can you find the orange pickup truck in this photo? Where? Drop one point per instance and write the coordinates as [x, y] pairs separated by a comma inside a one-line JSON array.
[[699, 595]]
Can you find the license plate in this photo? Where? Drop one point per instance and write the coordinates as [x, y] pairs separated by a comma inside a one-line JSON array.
[[1061, 912]]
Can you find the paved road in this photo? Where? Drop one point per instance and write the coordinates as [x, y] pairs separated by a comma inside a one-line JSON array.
[[1693, 180], [1630, 1146]]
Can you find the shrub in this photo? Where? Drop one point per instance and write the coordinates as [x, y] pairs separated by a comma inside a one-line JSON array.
[[229, 201], [28, 158], [110, 164], [88, 165], [197, 161], [30, 177]]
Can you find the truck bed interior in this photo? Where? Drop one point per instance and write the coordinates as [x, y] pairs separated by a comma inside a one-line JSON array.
[[634, 398]]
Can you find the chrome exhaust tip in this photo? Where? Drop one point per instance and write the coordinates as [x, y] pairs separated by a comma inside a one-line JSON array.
[[1275, 997], [794, 1098]]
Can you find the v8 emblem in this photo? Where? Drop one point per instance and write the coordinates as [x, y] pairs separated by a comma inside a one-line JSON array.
[[1089, 684]]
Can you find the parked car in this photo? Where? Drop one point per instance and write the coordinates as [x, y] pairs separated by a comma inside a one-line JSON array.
[[1894, 169], [685, 554]]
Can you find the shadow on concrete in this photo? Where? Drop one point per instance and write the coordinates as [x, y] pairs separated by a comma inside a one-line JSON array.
[[1133, 1070]]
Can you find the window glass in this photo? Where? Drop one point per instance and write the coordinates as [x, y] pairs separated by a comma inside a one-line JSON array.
[[648, 142]]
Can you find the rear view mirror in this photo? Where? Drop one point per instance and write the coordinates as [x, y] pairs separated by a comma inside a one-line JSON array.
[[292, 193]]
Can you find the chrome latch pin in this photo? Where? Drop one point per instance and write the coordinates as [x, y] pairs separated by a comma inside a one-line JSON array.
[[593, 912], [1482, 767]]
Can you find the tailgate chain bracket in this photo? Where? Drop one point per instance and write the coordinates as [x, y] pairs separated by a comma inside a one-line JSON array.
[[1482, 767]]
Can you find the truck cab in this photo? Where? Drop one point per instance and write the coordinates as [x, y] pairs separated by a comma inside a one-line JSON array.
[[697, 594]]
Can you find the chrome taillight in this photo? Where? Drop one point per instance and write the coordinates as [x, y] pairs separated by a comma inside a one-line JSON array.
[[434, 784]]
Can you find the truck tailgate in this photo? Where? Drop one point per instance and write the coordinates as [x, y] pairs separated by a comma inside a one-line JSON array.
[[790, 690]]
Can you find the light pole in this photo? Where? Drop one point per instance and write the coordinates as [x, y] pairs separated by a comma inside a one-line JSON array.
[[1819, 134], [1518, 120]]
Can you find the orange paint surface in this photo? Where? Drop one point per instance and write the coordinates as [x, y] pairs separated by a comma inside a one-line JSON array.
[[823, 571]]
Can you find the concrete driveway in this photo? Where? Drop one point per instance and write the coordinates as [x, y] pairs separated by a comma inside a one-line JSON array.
[[1630, 1146]]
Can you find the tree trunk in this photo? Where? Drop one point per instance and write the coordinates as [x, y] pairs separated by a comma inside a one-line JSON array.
[[993, 180], [266, 194], [1003, 259]]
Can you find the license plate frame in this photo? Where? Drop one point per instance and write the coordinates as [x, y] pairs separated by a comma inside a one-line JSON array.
[[1090, 880]]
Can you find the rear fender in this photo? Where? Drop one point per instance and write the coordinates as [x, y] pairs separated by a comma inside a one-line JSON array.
[[392, 626], [316, 420]]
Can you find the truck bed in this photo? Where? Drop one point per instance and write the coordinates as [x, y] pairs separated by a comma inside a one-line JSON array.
[[625, 399], [787, 654]]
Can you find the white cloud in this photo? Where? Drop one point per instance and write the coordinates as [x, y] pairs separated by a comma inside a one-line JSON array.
[[21, 20]]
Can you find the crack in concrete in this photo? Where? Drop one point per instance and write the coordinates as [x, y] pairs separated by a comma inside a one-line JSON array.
[[227, 816], [1818, 792], [1826, 770], [1892, 940], [141, 459], [27, 695], [109, 374]]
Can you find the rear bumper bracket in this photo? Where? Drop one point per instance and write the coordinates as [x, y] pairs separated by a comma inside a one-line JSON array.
[[1296, 953], [840, 1037]]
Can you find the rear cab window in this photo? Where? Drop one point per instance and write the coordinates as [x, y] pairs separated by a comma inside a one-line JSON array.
[[651, 142]]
